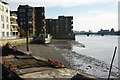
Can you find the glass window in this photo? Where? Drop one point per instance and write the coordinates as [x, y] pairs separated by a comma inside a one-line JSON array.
[[21, 23], [7, 34], [7, 10], [2, 18], [24, 23], [30, 10], [7, 26], [21, 19], [2, 25], [2, 8], [23, 10], [30, 18], [21, 15], [20, 10], [29, 14], [3, 34], [6, 18]]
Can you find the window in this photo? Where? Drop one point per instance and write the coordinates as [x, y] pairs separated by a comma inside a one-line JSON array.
[[21, 19], [29, 14], [2, 18], [2, 25], [30, 10], [3, 34], [24, 23], [7, 26], [6, 10], [11, 33], [30, 18], [22, 10], [7, 34], [2, 8], [21, 23], [6, 18], [21, 15]]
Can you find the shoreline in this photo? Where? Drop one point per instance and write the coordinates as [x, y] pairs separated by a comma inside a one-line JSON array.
[[60, 50]]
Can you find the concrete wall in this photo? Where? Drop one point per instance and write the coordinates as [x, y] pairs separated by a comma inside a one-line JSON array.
[[14, 41]]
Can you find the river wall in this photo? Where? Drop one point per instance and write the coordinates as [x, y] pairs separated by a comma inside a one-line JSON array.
[[14, 41]]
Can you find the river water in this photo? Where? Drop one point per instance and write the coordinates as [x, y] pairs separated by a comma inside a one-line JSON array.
[[99, 47], [91, 54]]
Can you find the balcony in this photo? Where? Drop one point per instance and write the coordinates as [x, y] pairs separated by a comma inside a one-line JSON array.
[[14, 30], [14, 24]]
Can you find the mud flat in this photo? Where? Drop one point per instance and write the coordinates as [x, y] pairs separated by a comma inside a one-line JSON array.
[[82, 62], [61, 50]]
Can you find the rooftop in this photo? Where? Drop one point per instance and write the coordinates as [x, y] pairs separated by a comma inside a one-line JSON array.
[[3, 2]]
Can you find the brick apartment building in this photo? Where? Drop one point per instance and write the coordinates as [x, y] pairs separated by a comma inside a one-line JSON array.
[[39, 20], [61, 27], [32, 18], [52, 26], [26, 18]]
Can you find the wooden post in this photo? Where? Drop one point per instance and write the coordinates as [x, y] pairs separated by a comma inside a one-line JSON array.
[[112, 63]]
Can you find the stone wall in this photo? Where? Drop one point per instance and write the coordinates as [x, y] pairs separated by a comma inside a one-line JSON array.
[[14, 41]]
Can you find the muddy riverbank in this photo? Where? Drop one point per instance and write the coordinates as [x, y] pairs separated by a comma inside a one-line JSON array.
[[61, 50]]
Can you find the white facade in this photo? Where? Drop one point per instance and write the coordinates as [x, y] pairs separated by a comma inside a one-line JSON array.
[[4, 21]]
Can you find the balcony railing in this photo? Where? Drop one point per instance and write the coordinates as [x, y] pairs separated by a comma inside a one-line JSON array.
[[14, 30]]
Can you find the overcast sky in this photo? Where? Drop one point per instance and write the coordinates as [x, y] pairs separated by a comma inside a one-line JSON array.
[[87, 14]]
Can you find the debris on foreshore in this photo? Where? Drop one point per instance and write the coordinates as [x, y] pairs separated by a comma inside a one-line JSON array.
[[27, 66]]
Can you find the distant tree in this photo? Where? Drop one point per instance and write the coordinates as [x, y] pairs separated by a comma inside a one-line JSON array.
[[112, 30], [22, 33], [90, 31]]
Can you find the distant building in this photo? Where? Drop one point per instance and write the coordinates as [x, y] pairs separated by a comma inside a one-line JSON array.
[[65, 25], [32, 18], [4, 20], [61, 27], [40, 24], [103, 31], [13, 24], [52, 26]]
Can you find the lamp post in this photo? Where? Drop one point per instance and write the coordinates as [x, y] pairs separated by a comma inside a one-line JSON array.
[[29, 24], [27, 39]]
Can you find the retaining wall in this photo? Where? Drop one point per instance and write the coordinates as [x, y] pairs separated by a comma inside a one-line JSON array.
[[14, 41]]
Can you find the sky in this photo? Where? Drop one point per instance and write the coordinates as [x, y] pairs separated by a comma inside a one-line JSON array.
[[87, 14]]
